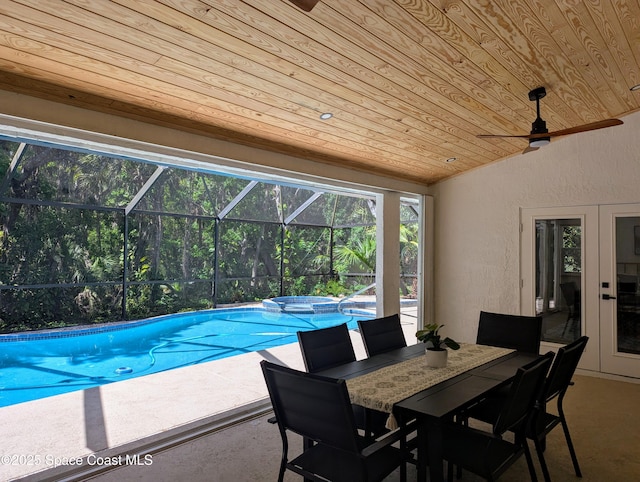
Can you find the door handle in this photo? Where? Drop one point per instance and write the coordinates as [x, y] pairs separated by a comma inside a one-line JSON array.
[[608, 297]]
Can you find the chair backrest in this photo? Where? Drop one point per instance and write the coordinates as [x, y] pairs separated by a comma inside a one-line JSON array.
[[311, 405], [523, 393], [326, 347], [563, 368], [519, 332], [382, 334]]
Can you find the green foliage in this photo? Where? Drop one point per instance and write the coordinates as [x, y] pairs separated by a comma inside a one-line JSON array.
[[430, 335], [331, 287], [571, 249], [66, 250]]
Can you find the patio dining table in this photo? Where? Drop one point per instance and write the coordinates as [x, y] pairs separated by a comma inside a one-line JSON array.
[[401, 384]]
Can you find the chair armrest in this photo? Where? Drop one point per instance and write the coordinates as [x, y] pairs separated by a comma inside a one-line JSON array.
[[391, 438]]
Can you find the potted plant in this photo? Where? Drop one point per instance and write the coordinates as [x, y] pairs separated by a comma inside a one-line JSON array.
[[436, 349]]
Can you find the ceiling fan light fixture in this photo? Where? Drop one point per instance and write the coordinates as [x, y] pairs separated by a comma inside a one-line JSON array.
[[540, 135], [539, 142]]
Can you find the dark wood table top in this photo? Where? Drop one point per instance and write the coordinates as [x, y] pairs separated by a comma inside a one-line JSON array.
[[368, 365], [449, 397]]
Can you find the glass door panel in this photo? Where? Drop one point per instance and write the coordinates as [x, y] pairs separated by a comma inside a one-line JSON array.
[[558, 278], [627, 277]]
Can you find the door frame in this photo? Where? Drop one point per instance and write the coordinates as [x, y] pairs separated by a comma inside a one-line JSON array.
[[589, 218]]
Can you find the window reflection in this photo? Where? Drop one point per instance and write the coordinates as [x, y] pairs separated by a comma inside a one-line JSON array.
[[627, 276], [559, 278]]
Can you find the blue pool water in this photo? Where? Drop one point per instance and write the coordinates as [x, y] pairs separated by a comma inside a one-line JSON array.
[[38, 365]]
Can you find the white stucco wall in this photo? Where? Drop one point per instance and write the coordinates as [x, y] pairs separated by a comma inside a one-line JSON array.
[[477, 214]]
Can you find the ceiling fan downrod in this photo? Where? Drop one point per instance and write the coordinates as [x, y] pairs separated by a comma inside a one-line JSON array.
[[306, 5], [539, 126]]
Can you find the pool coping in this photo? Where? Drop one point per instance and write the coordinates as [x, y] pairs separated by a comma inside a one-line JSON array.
[[80, 330], [73, 331]]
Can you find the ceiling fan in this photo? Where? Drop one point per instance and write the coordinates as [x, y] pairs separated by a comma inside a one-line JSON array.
[[540, 135], [306, 5]]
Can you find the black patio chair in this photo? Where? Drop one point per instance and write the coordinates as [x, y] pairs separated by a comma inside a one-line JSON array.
[[571, 295], [488, 454], [556, 385], [318, 409], [519, 332], [381, 335], [558, 382], [326, 348]]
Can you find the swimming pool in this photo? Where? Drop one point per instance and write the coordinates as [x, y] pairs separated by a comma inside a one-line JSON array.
[[42, 364]]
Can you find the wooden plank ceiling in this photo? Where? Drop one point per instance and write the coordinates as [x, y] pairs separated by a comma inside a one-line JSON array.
[[410, 83]]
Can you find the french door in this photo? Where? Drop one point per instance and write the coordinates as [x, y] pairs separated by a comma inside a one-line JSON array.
[[580, 271], [559, 269], [620, 289]]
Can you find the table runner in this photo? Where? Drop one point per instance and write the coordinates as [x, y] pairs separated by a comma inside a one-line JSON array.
[[382, 389]]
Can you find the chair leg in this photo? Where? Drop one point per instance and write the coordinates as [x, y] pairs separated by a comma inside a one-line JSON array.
[[281, 473], [283, 461], [572, 451], [567, 436], [464, 420], [527, 455], [543, 463], [404, 451]]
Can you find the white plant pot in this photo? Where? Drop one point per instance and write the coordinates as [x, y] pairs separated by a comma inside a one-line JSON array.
[[436, 358]]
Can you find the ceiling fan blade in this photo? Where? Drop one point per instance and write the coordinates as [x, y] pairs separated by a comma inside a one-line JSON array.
[[306, 5], [530, 149], [489, 136], [563, 132], [584, 128]]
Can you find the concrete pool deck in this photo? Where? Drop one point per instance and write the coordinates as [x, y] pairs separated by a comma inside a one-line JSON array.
[[90, 431]]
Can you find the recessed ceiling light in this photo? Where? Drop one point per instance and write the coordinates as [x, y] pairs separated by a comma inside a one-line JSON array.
[[635, 87], [326, 115], [451, 159]]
